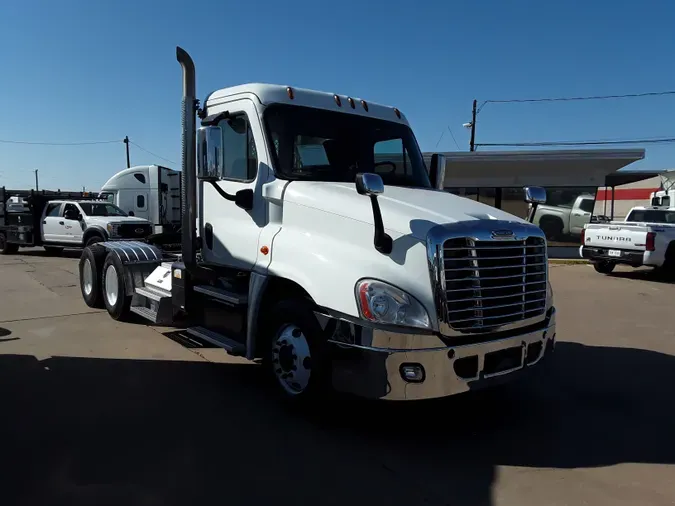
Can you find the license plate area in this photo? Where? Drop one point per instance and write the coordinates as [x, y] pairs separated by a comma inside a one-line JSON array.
[[614, 253], [503, 361]]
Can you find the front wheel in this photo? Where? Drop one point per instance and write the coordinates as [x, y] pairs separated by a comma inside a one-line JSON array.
[[114, 289], [604, 267], [297, 358]]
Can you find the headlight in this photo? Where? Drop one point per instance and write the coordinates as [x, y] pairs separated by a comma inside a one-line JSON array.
[[383, 303], [113, 229]]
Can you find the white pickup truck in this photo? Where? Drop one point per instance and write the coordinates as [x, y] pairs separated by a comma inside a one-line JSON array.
[[39, 219], [646, 237]]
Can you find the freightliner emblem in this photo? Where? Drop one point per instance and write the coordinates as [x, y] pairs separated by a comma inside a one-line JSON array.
[[502, 234]]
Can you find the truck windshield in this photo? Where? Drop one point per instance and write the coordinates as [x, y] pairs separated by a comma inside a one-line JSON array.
[[100, 209], [652, 216], [319, 145]]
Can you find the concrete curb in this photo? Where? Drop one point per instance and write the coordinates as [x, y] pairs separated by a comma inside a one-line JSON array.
[[567, 261]]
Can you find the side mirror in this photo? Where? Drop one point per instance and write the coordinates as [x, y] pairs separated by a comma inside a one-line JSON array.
[[79, 217], [437, 171], [131, 213], [534, 195], [369, 184], [209, 153], [70, 215]]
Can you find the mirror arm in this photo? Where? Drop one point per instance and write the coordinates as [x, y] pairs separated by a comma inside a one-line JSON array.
[[382, 240], [223, 193], [533, 211], [214, 119]]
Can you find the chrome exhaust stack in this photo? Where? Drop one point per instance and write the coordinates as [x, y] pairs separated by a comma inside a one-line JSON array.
[[189, 173]]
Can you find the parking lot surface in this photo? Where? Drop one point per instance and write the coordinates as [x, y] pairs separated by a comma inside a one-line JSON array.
[[96, 412]]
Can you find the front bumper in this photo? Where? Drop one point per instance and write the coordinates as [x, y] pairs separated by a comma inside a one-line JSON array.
[[378, 372]]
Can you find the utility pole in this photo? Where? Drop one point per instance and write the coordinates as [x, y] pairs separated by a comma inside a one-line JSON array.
[[126, 142], [472, 145], [36, 179]]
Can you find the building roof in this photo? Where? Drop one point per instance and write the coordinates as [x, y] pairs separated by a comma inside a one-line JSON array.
[[567, 167]]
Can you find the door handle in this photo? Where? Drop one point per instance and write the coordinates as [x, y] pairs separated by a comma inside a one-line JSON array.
[[44, 222], [61, 223]]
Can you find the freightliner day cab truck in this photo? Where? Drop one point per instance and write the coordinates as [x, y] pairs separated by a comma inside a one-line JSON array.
[[314, 238]]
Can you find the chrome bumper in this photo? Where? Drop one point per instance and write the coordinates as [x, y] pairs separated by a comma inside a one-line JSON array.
[[377, 371]]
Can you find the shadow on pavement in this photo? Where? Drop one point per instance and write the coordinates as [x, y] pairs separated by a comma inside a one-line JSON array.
[[66, 253], [654, 275], [85, 431]]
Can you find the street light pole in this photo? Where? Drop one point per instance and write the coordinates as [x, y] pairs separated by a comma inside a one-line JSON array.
[[36, 179], [472, 145], [126, 142]]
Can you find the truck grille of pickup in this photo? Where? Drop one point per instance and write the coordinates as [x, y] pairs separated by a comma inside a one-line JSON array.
[[132, 231], [493, 283]]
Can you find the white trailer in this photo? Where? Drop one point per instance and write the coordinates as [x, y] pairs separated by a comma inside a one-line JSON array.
[[147, 191], [305, 246]]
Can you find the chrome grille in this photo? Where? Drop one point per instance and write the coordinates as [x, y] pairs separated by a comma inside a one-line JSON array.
[[489, 284]]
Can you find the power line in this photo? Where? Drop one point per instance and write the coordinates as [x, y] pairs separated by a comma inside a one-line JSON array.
[[579, 98], [5, 141], [453, 138], [663, 140], [151, 153]]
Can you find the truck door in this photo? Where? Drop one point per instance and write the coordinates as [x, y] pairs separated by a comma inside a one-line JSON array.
[[581, 214], [230, 234], [141, 204], [71, 224], [53, 229]]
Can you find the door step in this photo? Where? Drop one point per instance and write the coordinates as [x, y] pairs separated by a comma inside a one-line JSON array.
[[145, 312], [230, 345], [151, 293], [222, 295]]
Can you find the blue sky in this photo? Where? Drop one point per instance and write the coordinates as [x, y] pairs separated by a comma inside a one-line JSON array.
[[97, 70]]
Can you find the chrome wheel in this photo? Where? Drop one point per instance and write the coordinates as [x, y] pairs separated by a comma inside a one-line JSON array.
[[291, 359], [111, 286], [87, 277]]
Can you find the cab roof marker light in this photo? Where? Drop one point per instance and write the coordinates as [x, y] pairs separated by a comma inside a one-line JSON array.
[[398, 113], [351, 102], [289, 90], [365, 105], [337, 100]]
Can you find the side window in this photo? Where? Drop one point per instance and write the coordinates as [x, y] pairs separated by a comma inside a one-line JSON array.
[[239, 151], [140, 177], [70, 208], [391, 158], [140, 201], [53, 210]]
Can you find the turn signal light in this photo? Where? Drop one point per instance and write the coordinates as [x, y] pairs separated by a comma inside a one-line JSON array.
[[650, 244], [583, 237]]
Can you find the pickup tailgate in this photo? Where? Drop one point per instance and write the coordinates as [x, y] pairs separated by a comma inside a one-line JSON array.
[[619, 236]]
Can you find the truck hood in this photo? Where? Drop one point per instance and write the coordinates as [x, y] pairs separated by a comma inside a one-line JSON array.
[[404, 210]]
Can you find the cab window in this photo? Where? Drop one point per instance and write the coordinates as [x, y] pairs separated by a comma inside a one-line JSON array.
[[239, 151]]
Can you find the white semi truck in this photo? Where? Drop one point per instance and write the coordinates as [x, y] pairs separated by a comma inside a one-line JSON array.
[[147, 191], [315, 239]]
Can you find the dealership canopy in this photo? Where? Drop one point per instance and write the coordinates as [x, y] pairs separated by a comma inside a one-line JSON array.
[[573, 168]]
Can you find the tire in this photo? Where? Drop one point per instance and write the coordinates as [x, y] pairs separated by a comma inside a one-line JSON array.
[[93, 240], [668, 267], [604, 267], [7, 248], [91, 270], [113, 288], [296, 358], [552, 228], [53, 250]]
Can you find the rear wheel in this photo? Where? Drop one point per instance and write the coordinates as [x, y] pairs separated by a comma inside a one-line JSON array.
[[113, 288], [604, 267], [91, 268], [7, 248]]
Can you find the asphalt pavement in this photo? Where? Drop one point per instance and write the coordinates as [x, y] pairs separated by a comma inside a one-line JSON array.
[[96, 412]]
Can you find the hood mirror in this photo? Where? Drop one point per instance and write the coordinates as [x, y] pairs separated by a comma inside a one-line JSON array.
[[371, 185], [534, 195]]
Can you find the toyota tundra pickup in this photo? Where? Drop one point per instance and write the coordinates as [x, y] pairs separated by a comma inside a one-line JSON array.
[[645, 238]]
